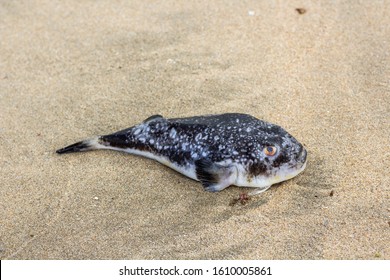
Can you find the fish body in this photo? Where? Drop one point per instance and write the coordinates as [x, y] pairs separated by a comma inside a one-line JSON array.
[[217, 150]]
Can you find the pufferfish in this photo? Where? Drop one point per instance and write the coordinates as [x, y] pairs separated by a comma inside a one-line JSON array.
[[217, 150]]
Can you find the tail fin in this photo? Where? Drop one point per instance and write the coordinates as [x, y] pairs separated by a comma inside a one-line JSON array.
[[82, 146]]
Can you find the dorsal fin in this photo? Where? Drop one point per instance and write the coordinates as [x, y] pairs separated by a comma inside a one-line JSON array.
[[214, 176], [154, 117]]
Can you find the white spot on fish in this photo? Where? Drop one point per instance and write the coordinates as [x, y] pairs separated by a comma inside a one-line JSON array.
[[172, 133]]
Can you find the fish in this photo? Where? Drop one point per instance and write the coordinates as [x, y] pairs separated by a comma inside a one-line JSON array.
[[217, 150]]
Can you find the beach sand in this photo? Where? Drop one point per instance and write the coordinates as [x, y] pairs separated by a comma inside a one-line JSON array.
[[71, 70]]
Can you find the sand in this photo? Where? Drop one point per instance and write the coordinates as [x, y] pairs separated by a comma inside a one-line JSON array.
[[73, 69]]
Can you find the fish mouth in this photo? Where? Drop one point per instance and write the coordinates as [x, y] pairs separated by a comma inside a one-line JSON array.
[[302, 156], [301, 161], [292, 171]]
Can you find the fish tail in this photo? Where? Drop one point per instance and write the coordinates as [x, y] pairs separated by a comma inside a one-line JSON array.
[[117, 141], [95, 143]]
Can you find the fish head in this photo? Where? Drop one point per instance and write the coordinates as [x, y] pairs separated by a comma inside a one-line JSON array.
[[279, 157]]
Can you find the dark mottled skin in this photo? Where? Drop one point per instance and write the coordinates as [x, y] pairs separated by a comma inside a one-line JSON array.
[[238, 137]]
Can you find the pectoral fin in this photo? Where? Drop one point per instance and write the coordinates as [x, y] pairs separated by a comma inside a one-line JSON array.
[[215, 176]]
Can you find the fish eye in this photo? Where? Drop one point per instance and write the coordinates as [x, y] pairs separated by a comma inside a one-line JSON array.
[[270, 150]]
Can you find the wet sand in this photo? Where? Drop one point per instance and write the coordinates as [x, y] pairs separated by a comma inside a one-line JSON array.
[[72, 70]]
